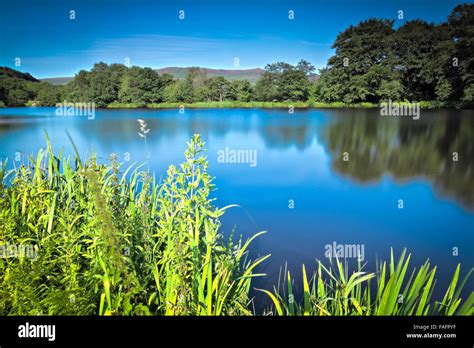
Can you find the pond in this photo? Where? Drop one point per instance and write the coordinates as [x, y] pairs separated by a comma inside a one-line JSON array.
[[315, 179]]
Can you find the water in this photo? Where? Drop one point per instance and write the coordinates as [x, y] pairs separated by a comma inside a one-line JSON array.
[[300, 163]]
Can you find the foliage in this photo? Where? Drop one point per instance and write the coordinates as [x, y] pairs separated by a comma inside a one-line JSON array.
[[243, 90], [217, 89], [406, 149], [418, 61], [46, 94], [363, 66], [333, 291], [14, 91], [143, 86], [284, 82], [424, 54], [113, 243], [461, 27]]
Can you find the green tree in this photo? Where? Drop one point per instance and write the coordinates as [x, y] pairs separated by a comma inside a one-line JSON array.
[[461, 26], [104, 83], [77, 89], [243, 90], [194, 81], [284, 82], [305, 67], [364, 63], [47, 94], [14, 91], [293, 85], [142, 85], [266, 87], [218, 89], [423, 53]]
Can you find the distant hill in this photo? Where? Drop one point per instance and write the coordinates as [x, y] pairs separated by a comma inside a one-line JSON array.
[[251, 75], [7, 72], [243, 74], [57, 81]]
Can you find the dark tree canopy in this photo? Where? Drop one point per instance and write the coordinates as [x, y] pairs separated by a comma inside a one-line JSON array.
[[418, 61]]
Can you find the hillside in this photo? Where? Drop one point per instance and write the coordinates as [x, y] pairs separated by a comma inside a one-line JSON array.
[[57, 81], [6, 72], [18, 89], [144, 86], [251, 75]]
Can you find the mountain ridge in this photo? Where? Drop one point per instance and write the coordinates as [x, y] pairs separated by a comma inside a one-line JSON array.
[[251, 75]]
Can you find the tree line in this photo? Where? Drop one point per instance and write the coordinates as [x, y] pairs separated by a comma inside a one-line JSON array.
[[417, 61], [106, 84], [373, 62]]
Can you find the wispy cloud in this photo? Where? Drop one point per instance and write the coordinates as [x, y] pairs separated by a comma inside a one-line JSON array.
[[152, 45], [156, 51], [314, 44]]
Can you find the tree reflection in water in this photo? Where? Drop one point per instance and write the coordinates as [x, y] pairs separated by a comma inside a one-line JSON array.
[[406, 148]]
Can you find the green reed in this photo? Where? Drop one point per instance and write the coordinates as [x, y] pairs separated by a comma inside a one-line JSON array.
[[114, 241], [118, 243], [333, 291]]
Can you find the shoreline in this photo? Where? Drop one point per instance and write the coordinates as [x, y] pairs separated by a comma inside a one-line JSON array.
[[275, 105], [424, 105]]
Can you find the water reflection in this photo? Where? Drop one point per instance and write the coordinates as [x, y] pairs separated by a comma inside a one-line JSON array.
[[438, 146], [377, 146], [300, 157]]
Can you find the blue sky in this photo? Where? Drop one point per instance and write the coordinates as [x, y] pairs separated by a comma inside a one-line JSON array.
[[213, 33]]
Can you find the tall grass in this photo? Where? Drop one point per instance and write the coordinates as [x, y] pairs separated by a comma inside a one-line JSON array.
[[333, 291], [118, 243], [113, 241]]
